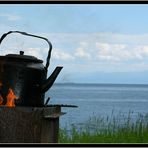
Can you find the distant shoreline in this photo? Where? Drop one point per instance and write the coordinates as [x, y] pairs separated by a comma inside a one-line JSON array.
[[101, 84]]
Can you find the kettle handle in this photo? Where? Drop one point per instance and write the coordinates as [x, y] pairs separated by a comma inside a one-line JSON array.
[[24, 33]]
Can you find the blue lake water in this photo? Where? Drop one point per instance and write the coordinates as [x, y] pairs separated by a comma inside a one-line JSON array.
[[98, 100]]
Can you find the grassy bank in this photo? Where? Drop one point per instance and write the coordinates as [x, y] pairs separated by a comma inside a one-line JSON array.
[[119, 129]]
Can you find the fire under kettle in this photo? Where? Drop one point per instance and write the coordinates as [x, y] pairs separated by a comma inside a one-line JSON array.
[[25, 77]]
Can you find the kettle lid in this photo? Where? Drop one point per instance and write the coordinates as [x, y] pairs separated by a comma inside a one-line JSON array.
[[22, 57]]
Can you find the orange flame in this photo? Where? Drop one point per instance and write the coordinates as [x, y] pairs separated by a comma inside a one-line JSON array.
[[10, 98]]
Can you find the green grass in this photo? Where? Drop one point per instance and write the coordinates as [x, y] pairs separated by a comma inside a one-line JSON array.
[[119, 129]]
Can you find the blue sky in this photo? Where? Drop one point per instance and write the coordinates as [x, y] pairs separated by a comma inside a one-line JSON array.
[[95, 43]]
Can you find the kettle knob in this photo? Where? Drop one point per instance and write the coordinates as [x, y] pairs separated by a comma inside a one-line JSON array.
[[21, 52]]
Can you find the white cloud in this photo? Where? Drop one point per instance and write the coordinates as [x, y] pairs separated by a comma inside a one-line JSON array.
[[115, 52], [11, 17], [60, 55], [112, 52], [104, 46], [34, 52], [102, 37], [83, 44], [143, 50], [81, 53], [121, 52]]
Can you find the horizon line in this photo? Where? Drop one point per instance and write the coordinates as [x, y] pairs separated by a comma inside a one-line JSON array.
[[101, 83]]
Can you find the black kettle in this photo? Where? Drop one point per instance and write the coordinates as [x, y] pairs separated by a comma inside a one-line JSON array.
[[24, 77]]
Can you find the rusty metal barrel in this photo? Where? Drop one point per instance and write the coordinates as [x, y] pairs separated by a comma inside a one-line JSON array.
[[29, 124]]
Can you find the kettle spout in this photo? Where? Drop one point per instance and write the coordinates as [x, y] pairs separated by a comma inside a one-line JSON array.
[[49, 82]]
